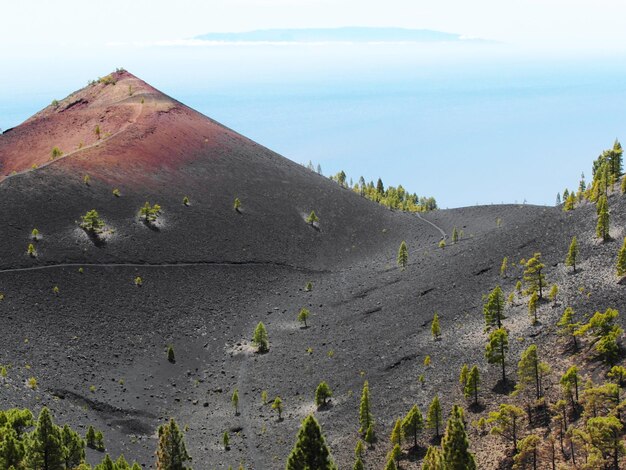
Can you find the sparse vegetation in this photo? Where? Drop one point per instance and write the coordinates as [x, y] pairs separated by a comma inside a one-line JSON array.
[[403, 255], [170, 354], [260, 338], [92, 223], [312, 219], [303, 316], [149, 213]]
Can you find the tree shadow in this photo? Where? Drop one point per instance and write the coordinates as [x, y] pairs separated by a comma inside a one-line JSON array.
[[477, 407], [571, 272], [504, 387], [95, 238], [416, 453], [151, 225], [435, 440], [326, 406]]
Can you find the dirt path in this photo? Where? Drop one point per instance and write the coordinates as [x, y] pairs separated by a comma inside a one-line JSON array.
[[160, 265], [130, 122], [444, 236]]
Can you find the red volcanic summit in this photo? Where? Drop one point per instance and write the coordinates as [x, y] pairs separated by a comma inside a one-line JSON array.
[[118, 126]]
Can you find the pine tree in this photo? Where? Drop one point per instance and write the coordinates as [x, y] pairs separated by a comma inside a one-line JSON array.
[[455, 236], [569, 383], [497, 349], [527, 452], [572, 254], [463, 376], [237, 205], [260, 338], [602, 227], [380, 187], [618, 374], [531, 370], [554, 292], [312, 219], [359, 449], [170, 354], [365, 415], [504, 266], [303, 316], [435, 328], [226, 440], [605, 436], [73, 447], [532, 307], [533, 275], [567, 326], [471, 386], [435, 416], [90, 437], [395, 454], [11, 449], [369, 434], [278, 406], [403, 255], [396, 433], [623, 185], [171, 451], [322, 394], [433, 459], [358, 464], [505, 422], [310, 450], [44, 446], [570, 202], [494, 307], [558, 199], [235, 401], [391, 464], [413, 423], [621, 260], [454, 445]]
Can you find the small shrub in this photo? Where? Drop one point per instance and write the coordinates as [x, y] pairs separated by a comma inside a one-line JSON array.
[[170, 354], [427, 361], [226, 440], [32, 383], [116, 192], [55, 103], [442, 244], [35, 234], [264, 397], [303, 316], [186, 201], [3, 372], [322, 394], [308, 287], [278, 406], [34, 166], [150, 213], [56, 152], [91, 222], [92, 389], [99, 444], [31, 251], [138, 281], [312, 219], [87, 180], [237, 205], [55, 290], [97, 131], [81, 270], [260, 338]]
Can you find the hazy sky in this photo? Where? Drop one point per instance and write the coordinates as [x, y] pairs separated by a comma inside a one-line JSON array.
[[573, 24]]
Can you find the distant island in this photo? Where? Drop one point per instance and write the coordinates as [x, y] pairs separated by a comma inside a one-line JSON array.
[[346, 34]]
